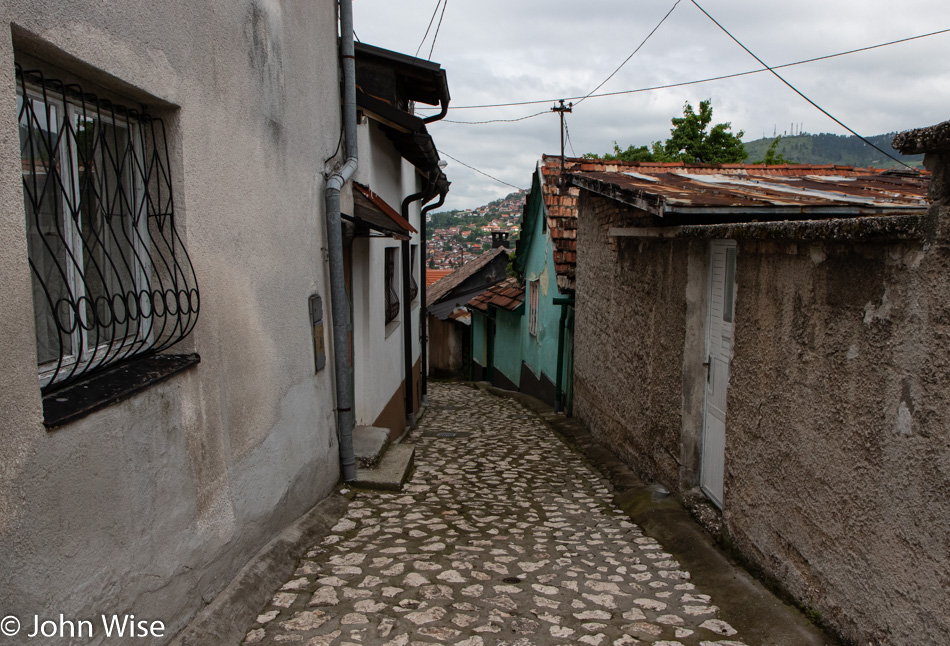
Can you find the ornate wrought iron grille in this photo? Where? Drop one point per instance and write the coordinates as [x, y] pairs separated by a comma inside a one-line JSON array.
[[392, 297], [111, 277], [413, 283]]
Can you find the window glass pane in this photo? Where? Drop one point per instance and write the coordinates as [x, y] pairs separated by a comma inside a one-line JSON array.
[[392, 298], [730, 286], [42, 166], [106, 207], [111, 279]]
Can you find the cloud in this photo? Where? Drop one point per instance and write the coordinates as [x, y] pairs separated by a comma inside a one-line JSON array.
[[497, 52]]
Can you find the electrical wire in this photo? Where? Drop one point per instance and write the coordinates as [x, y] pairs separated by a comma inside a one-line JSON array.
[[431, 20], [445, 4], [798, 92], [626, 60], [567, 133], [442, 152], [706, 80], [472, 123]]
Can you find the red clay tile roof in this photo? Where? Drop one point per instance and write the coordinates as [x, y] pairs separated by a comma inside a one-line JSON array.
[[434, 275], [508, 295], [561, 208]]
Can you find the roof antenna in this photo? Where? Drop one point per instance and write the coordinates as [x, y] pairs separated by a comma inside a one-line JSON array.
[[561, 109]]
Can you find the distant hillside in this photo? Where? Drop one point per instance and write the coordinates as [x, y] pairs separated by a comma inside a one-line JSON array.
[[832, 149]]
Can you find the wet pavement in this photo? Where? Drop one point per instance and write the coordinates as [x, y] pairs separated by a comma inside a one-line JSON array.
[[503, 536]]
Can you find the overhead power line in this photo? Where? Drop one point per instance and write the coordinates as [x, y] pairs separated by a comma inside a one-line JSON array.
[[445, 3], [567, 131], [705, 80], [797, 91], [470, 123], [627, 59], [431, 20], [442, 152]]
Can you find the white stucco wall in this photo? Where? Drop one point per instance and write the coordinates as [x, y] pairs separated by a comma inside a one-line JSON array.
[[151, 505], [379, 362]]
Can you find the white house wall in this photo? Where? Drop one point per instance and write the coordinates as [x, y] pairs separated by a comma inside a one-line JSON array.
[[379, 360], [151, 505]]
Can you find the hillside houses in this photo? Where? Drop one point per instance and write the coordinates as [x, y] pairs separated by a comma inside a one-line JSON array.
[[469, 234]]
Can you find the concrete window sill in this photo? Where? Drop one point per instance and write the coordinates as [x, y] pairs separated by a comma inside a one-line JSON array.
[[114, 385]]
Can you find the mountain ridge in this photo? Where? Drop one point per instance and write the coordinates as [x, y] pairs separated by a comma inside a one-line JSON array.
[[827, 148]]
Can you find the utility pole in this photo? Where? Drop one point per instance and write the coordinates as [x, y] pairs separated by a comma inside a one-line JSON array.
[[561, 109]]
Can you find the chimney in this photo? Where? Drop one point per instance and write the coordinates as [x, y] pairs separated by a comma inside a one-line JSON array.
[[499, 239]]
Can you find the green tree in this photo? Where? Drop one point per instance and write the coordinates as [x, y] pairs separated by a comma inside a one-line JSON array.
[[691, 141], [772, 157]]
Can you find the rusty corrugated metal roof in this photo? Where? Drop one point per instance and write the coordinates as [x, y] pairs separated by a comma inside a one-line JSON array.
[[666, 188], [508, 295], [660, 187]]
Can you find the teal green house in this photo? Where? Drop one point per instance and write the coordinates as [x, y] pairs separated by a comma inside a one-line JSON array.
[[522, 328]]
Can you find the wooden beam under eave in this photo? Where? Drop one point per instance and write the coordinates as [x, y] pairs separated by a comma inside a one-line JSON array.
[[644, 232]]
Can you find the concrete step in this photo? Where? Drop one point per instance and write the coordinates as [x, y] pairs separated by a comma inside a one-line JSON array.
[[369, 443], [392, 471]]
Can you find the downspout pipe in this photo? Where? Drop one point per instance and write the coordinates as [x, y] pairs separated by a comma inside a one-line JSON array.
[[424, 315], [338, 300], [565, 304], [441, 115], [407, 310]]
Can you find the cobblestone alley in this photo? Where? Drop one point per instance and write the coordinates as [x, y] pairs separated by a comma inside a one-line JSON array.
[[503, 536]]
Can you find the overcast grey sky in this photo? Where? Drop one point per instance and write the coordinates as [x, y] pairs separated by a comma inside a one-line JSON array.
[[497, 51]]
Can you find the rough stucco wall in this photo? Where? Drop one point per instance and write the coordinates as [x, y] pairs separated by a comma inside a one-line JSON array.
[[151, 505], [479, 353], [540, 352], [508, 340], [628, 345], [837, 445]]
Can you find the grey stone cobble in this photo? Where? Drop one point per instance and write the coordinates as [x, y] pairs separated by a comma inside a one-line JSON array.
[[502, 537]]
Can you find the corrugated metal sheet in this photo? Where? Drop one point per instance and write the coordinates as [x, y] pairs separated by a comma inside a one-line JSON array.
[[680, 188], [660, 188]]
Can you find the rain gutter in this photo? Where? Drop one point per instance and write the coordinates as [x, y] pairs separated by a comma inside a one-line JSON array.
[[424, 315], [407, 310]]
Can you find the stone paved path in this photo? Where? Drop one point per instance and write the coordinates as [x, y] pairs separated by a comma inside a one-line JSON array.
[[503, 536]]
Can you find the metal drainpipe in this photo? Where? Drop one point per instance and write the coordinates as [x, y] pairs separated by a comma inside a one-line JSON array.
[[407, 311], [338, 301], [424, 315]]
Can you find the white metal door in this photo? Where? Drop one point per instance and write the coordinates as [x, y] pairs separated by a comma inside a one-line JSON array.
[[719, 331]]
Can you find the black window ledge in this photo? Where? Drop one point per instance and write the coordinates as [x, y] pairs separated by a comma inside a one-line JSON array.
[[111, 386]]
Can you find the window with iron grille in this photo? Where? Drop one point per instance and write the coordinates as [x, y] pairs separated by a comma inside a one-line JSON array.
[[111, 278], [413, 284], [392, 296], [533, 307]]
